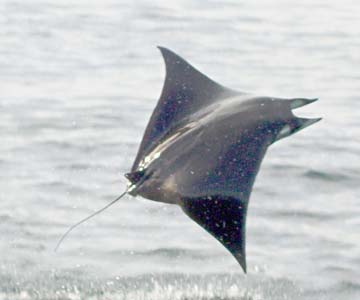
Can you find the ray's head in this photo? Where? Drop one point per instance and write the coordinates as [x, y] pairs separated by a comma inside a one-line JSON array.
[[280, 119], [295, 123]]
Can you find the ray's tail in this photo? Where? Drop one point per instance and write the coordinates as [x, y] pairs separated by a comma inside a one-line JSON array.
[[89, 217]]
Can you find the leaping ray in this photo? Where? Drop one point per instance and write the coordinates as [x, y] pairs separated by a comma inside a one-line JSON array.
[[203, 147]]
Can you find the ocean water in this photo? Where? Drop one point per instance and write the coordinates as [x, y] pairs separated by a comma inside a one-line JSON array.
[[78, 82]]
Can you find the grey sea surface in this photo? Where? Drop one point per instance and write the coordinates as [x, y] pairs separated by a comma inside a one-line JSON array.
[[78, 82]]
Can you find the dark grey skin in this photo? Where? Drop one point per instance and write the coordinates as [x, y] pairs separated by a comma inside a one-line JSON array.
[[203, 147]]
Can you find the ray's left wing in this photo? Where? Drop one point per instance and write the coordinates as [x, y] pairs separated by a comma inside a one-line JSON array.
[[217, 180], [224, 218]]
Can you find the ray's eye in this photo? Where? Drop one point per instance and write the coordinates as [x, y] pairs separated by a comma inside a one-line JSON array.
[[284, 132]]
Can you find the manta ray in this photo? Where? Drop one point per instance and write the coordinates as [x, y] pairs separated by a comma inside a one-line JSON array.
[[203, 147]]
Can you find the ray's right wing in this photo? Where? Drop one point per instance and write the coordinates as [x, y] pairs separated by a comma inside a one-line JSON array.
[[185, 91]]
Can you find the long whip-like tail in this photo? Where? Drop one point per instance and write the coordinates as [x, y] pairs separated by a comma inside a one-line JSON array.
[[87, 218]]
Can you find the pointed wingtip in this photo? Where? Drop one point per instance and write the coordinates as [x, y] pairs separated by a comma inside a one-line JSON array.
[[244, 268], [161, 48], [242, 261], [164, 51], [170, 57]]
